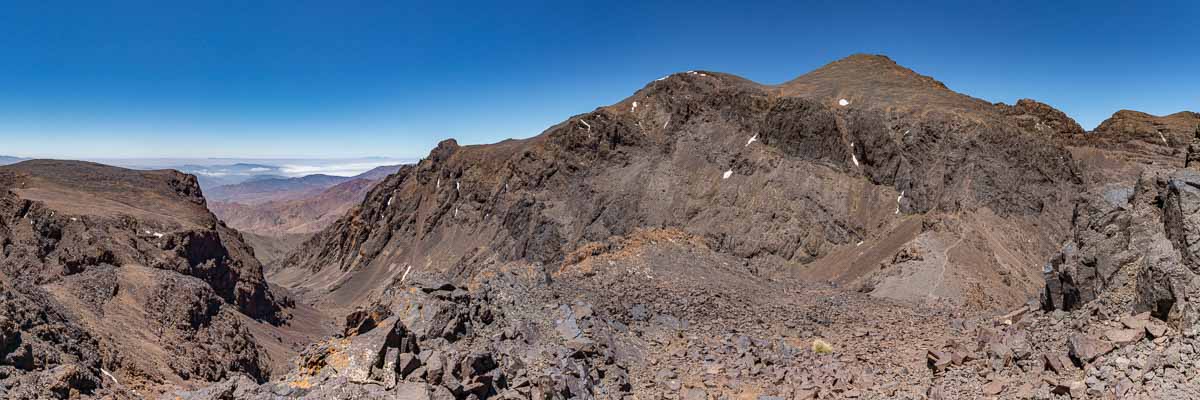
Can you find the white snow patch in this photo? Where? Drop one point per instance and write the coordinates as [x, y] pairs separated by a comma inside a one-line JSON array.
[[110, 376], [457, 185], [158, 235], [855, 159], [74, 219], [659, 79], [898, 198], [727, 174], [634, 108], [843, 102], [389, 201], [439, 183], [589, 127], [406, 271], [859, 243], [752, 140], [1160, 136], [456, 211]]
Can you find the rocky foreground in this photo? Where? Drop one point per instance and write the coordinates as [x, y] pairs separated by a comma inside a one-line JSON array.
[[861, 232]]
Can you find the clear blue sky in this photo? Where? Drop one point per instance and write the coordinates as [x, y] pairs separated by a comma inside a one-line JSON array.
[[342, 79]]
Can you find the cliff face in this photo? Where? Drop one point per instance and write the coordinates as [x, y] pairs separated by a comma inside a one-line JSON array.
[[136, 261]]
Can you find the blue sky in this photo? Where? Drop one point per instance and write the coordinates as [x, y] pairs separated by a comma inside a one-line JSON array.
[[350, 79]]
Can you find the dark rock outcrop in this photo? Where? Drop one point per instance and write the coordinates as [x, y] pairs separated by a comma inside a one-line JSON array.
[[1137, 244]]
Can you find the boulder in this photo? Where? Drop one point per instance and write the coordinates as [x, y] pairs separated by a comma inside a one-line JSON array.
[[1121, 337], [1083, 348]]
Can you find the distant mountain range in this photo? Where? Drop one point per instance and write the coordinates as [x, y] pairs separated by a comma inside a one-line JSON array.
[[261, 189], [5, 160], [286, 207]]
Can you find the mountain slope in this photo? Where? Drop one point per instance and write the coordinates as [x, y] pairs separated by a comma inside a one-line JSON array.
[[134, 261], [816, 177]]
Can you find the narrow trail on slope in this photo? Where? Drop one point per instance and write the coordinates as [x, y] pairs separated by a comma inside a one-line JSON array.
[[945, 260]]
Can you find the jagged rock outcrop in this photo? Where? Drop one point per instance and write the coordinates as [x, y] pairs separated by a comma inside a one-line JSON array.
[[437, 340], [1032, 115], [1134, 248]]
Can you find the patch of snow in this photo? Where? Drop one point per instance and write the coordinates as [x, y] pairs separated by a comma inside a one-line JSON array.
[[457, 185], [456, 212], [589, 127], [667, 122], [439, 183], [859, 243], [843, 102], [855, 159], [659, 79], [727, 174], [752, 140], [634, 108], [406, 271], [110, 376], [74, 219], [1160, 136], [158, 235], [389, 201], [898, 198]]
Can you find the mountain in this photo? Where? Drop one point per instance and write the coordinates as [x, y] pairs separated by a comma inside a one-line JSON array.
[[861, 231], [777, 173], [121, 283], [267, 189], [264, 189], [5, 160], [211, 176]]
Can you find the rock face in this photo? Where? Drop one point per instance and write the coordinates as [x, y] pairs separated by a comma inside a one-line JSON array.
[[1136, 243], [141, 279]]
